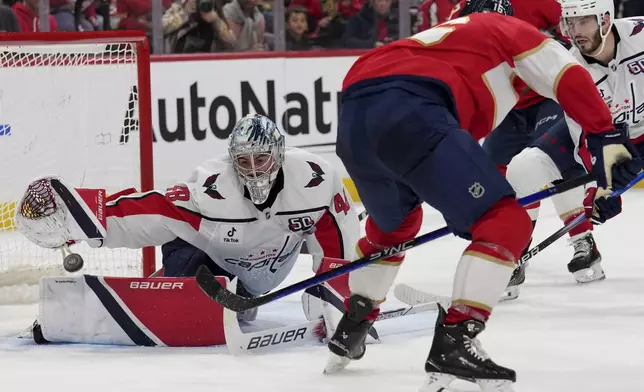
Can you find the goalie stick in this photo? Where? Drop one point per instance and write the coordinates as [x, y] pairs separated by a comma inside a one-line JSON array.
[[297, 335], [207, 282], [410, 295]]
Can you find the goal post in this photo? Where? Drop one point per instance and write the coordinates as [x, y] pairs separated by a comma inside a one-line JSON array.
[[76, 105]]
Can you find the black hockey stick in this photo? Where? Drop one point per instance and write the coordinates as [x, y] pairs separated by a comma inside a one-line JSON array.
[[550, 240], [211, 287], [571, 225]]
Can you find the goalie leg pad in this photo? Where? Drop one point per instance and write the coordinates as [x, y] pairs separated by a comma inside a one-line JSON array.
[[129, 311], [181, 259]]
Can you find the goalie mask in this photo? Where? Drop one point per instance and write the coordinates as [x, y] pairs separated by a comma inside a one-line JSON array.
[[257, 150]]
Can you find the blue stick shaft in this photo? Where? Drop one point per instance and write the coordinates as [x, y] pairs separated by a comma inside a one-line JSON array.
[[420, 240]]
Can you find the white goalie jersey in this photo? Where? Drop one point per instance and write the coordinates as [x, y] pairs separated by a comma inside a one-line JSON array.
[[212, 211], [621, 83]]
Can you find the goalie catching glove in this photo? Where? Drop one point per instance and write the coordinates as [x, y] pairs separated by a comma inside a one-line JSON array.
[[50, 215]]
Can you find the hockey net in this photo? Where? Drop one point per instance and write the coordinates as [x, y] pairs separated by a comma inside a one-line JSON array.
[[75, 105]]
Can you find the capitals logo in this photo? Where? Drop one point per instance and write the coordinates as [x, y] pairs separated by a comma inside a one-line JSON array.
[[211, 187], [317, 175], [639, 26]]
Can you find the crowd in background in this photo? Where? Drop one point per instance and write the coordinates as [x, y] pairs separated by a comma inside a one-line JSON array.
[[202, 26]]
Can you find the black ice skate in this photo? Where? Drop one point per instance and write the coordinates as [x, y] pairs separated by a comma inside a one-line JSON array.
[[349, 340], [457, 354], [586, 262], [517, 279]]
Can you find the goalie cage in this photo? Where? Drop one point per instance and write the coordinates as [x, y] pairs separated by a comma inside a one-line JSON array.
[[76, 105]]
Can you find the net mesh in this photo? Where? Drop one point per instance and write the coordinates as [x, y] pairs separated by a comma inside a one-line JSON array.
[[69, 110]]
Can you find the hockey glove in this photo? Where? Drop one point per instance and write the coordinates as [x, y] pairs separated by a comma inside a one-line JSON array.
[[607, 149], [625, 172], [600, 209]]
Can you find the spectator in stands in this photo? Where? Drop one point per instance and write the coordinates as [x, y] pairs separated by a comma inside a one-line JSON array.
[[136, 14], [64, 13], [297, 29], [194, 26], [178, 14], [27, 13], [327, 19], [8, 20], [247, 24], [373, 26], [433, 12]]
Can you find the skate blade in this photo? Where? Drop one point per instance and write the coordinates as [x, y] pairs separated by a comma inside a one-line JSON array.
[[335, 363], [437, 382], [511, 293], [588, 275], [27, 333], [495, 385], [440, 382]]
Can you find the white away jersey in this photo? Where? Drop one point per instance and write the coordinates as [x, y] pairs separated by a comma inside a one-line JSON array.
[[621, 84], [211, 211]]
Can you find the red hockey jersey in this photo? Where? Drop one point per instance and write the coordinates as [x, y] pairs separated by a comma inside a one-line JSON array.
[[544, 15], [479, 57]]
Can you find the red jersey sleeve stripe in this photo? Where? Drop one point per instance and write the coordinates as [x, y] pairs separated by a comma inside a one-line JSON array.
[[152, 203]]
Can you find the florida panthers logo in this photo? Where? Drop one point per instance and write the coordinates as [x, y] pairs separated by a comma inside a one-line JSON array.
[[639, 26], [317, 175], [211, 187]]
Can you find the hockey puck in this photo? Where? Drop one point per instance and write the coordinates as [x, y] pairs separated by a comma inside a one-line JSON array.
[[73, 262]]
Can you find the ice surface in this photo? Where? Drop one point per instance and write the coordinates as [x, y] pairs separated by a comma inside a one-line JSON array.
[[559, 336]]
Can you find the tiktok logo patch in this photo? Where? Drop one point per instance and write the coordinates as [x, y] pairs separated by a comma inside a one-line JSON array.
[[230, 234]]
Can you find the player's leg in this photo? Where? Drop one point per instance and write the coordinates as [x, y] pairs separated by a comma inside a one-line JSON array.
[[585, 264], [548, 160], [182, 259], [540, 117], [326, 302], [508, 139], [422, 147], [388, 202], [456, 177]]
